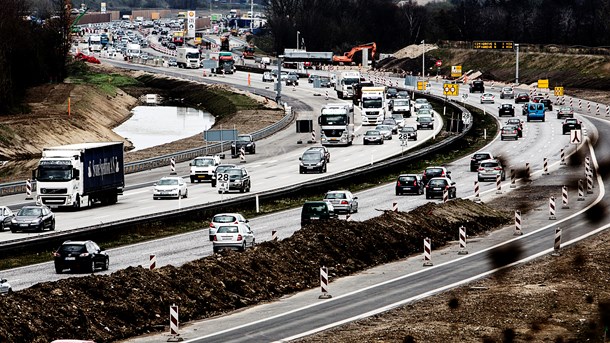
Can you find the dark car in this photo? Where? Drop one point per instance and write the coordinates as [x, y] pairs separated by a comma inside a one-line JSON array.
[[314, 211], [83, 256], [171, 46], [312, 160], [292, 80], [565, 112], [506, 110], [477, 86], [6, 215], [323, 150], [437, 186], [509, 131], [391, 93], [570, 124], [425, 123], [548, 104], [518, 123], [33, 218], [408, 133], [392, 122], [522, 97], [245, 141], [476, 159], [236, 179], [372, 137], [221, 168], [409, 183], [324, 81], [432, 172], [402, 95]]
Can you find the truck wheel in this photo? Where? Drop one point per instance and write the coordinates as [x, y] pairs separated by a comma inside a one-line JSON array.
[[76, 204], [53, 225]]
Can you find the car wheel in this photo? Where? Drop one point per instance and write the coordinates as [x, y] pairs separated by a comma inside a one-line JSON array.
[[248, 189], [427, 196], [92, 266], [364, 143], [253, 243], [106, 264], [1, 226], [192, 180], [179, 195], [219, 192], [40, 227], [13, 230], [324, 168], [213, 184], [397, 193], [58, 270], [215, 249], [52, 228], [253, 151], [243, 246], [243, 189], [186, 193]]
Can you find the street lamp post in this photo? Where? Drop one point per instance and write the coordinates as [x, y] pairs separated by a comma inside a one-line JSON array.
[[517, 65], [298, 32], [423, 59], [251, 15]]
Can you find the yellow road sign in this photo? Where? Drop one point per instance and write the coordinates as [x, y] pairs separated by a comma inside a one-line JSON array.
[[451, 89], [421, 85], [558, 91], [456, 71], [543, 83]]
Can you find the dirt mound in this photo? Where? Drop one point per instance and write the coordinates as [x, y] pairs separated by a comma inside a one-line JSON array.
[[134, 301], [413, 51]]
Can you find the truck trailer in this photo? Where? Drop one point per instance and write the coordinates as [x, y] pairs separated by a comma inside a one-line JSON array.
[[78, 175], [345, 82], [187, 58]]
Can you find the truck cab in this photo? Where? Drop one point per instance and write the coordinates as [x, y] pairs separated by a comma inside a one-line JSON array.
[[373, 105], [336, 124], [187, 58], [203, 167]]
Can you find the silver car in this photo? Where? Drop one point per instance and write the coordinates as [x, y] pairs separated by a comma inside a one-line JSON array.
[[224, 219], [342, 201], [490, 169], [507, 93], [5, 217], [5, 287], [233, 236], [385, 131], [372, 137]]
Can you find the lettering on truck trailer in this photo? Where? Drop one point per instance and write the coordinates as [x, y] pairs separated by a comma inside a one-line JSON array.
[[103, 168]]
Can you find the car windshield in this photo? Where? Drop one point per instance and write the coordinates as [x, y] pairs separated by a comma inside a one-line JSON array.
[[566, 109], [401, 102], [383, 128], [333, 119], [167, 182], [311, 156], [29, 212], [243, 138], [421, 101], [222, 168], [335, 196], [73, 248], [434, 171], [424, 119], [423, 111], [224, 219], [389, 122], [228, 229], [234, 171], [314, 208], [437, 183], [52, 172], [489, 164], [203, 162], [507, 106], [372, 133], [481, 156], [407, 178], [397, 117]]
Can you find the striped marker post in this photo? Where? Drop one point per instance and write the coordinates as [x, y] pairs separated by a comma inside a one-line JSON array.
[[590, 183], [588, 106], [152, 260], [173, 324], [513, 178], [242, 155], [273, 235], [518, 231], [581, 191], [607, 111], [445, 195], [571, 102], [395, 206], [427, 252], [557, 242], [462, 234], [527, 170], [580, 103], [324, 283], [546, 166], [563, 158], [552, 208], [498, 184], [564, 197], [597, 109], [172, 163], [348, 217], [477, 195], [28, 189]]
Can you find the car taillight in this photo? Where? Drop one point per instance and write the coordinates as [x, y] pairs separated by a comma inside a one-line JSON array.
[[415, 183], [343, 202], [239, 237], [443, 173], [212, 224], [446, 186], [497, 168], [398, 183], [481, 168], [236, 222], [215, 238]]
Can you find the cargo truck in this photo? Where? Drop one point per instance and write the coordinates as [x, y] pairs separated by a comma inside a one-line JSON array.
[[373, 105], [78, 175], [345, 82], [187, 58], [337, 124]]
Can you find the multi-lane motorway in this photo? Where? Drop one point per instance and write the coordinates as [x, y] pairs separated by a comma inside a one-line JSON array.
[[276, 165]]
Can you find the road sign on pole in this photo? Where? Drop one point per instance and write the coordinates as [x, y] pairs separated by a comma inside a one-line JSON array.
[[558, 91]]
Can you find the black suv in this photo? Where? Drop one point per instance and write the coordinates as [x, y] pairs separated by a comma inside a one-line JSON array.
[[236, 178], [476, 159], [317, 210], [312, 160], [221, 168], [506, 110], [245, 141], [84, 256], [477, 86]]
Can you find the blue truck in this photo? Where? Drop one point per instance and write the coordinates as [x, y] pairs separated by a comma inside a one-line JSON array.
[[79, 175], [535, 111]]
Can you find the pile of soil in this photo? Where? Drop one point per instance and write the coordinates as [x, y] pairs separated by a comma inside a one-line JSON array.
[[134, 301]]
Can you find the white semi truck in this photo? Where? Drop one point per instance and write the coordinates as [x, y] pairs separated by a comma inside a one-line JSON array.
[[95, 43], [78, 175], [188, 58], [373, 105], [344, 84], [133, 50], [337, 124]]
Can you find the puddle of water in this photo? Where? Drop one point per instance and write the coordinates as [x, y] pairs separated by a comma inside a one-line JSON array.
[[155, 125]]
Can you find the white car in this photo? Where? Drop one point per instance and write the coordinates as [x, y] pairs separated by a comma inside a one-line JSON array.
[[418, 103], [507, 92], [170, 187], [224, 219], [487, 98], [385, 130], [5, 287], [343, 201], [5, 217], [267, 77], [233, 236]]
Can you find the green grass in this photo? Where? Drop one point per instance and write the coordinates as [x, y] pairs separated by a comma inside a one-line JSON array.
[[80, 73]]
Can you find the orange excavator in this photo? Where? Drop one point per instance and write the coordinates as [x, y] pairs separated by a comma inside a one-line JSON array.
[[348, 57]]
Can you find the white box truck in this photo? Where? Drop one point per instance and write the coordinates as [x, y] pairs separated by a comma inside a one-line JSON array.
[[337, 124], [187, 58], [344, 84], [373, 105], [77, 175], [133, 50]]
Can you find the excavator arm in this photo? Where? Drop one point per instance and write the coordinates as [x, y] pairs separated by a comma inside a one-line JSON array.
[[348, 56]]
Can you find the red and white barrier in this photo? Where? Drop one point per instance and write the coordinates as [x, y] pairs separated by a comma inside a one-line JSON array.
[[28, 189], [427, 252], [273, 235], [242, 155], [545, 164], [173, 323], [498, 184], [395, 206], [581, 191], [152, 262], [557, 242], [563, 158], [324, 283], [518, 231], [172, 163], [477, 195], [462, 233], [445, 195], [564, 197], [513, 179], [527, 170], [552, 208]]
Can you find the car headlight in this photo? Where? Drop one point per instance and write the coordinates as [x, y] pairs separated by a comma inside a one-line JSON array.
[[14, 221], [233, 144], [319, 163], [249, 145], [302, 165]]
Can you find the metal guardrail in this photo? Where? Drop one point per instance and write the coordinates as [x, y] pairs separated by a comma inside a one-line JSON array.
[[51, 240]]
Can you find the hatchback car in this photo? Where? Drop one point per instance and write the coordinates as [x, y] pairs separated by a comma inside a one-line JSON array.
[[312, 161], [565, 112], [509, 132], [234, 179], [418, 103], [438, 185], [409, 183], [399, 119], [490, 169], [402, 95], [172, 62], [325, 82], [372, 137], [292, 80], [6, 215], [170, 187], [477, 158], [267, 77], [548, 104], [343, 201], [507, 93], [391, 93], [33, 218], [570, 124], [432, 172], [314, 211], [522, 98], [233, 236], [506, 110], [385, 131], [83, 256], [487, 98], [5, 287], [425, 123], [225, 219], [408, 133], [393, 123], [323, 150], [518, 123]]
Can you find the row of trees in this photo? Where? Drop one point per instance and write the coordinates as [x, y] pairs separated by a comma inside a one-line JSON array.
[[32, 52]]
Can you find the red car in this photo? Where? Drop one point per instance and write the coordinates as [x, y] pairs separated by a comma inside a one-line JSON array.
[[522, 97]]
